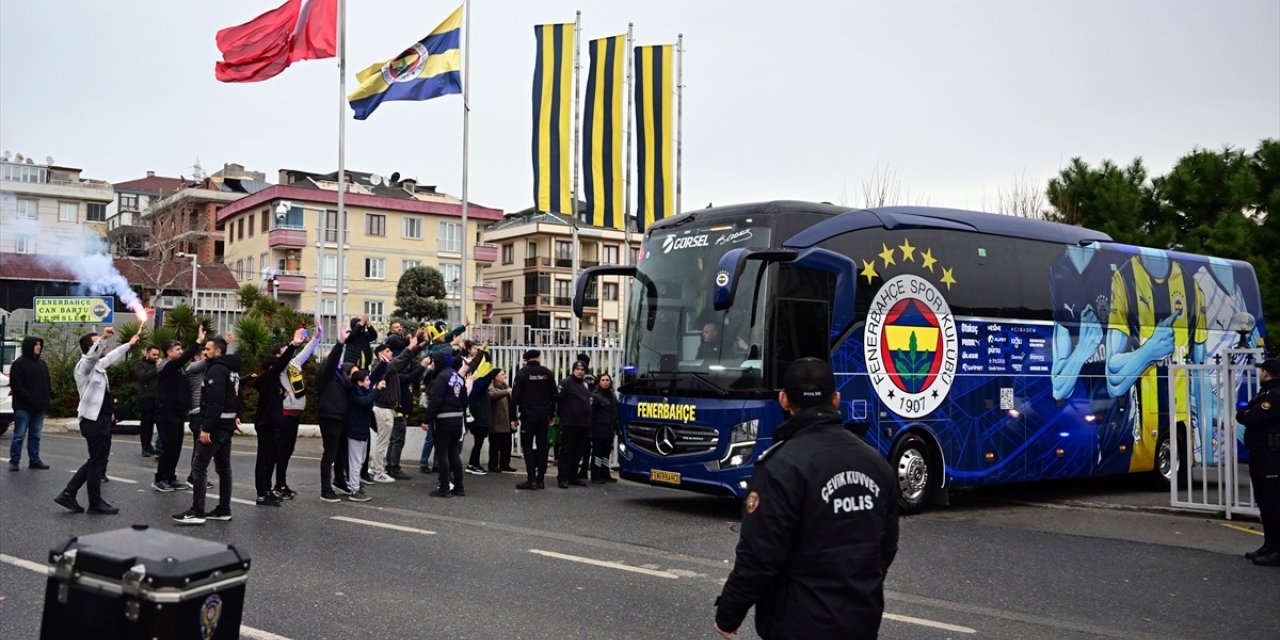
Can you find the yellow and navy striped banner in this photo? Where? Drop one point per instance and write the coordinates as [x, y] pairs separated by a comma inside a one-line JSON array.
[[428, 69], [552, 104], [602, 132], [654, 126]]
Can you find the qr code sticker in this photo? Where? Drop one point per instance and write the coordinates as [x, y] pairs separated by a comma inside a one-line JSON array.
[[1006, 398]]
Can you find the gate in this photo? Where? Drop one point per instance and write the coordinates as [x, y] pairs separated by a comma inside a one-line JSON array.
[[1206, 445]]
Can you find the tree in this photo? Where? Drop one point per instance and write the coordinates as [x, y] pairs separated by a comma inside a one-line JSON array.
[[1023, 199], [1117, 201], [420, 294], [1265, 163], [1205, 200]]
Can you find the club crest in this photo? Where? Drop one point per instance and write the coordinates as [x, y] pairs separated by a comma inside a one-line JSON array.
[[910, 346]]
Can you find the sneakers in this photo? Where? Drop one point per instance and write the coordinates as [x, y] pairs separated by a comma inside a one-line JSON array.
[[563, 484], [103, 509], [68, 502], [367, 478], [359, 496], [329, 496], [219, 513], [528, 485], [383, 478], [182, 485], [476, 471], [163, 486], [190, 516], [285, 493], [439, 493], [342, 488], [426, 470], [398, 474], [457, 491], [507, 469], [268, 500], [148, 453], [14, 465], [37, 465]]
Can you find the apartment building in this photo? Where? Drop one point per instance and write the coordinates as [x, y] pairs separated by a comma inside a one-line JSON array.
[[533, 276], [127, 233], [272, 239], [187, 221], [50, 209]]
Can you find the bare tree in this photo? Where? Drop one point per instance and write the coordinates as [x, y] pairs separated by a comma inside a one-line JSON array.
[[883, 188], [1023, 199]]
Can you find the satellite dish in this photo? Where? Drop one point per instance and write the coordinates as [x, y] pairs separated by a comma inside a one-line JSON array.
[[395, 176], [5, 156], [30, 161], [48, 159], [18, 158], [375, 179]]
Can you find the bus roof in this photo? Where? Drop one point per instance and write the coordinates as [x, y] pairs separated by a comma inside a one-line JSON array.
[[939, 218]]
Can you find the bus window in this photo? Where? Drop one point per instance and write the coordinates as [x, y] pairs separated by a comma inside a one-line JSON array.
[[802, 317]]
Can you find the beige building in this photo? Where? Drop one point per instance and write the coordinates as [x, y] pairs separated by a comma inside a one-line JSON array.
[[49, 209], [392, 225], [534, 279]]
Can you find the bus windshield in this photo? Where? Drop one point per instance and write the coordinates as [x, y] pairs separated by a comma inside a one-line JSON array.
[[675, 339]]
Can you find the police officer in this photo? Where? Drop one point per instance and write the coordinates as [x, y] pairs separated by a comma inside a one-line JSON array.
[[573, 405], [533, 395], [820, 524], [1261, 420]]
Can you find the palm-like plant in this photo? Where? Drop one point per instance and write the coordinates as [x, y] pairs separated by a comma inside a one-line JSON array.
[[159, 336], [127, 331], [249, 296], [184, 323], [254, 339]]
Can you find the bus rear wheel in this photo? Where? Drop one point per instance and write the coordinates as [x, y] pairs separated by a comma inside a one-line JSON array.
[[911, 466]]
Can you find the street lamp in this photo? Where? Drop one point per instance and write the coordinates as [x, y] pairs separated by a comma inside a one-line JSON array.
[[194, 267]]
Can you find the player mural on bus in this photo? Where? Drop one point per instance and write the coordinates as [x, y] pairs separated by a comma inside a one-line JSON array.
[[1230, 325]]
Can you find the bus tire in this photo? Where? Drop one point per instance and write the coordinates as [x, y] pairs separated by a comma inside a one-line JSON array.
[[913, 467], [1161, 474]]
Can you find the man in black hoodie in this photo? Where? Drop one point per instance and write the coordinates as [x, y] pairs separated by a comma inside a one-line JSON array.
[[445, 410], [533, 395], [269, 419], [331, 412], [29, 384], [144, 374], [386, 402], [573, 404], [220, 416], [173, 402], [819, 525]]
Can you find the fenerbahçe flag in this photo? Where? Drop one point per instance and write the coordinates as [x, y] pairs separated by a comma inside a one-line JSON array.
[[602, 133], [552, 101], [428, 69], [654, 126]]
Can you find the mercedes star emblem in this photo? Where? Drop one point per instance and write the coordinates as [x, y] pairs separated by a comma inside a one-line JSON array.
[[665, 441]]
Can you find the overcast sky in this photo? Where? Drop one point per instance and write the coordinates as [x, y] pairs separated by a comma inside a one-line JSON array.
[[783, 99]]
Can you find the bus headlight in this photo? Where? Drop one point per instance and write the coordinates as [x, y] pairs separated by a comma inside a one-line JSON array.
[[742, 442]]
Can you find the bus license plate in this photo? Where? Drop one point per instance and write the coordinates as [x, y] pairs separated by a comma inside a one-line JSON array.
[[668, 477]]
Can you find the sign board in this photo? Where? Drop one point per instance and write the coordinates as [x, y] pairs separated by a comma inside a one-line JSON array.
[[95, 310]]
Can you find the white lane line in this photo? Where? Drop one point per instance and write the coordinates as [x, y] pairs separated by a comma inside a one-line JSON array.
[[382, 525], [929, 623], [245, 631], [110, 477], [605, 563], [243, 501]]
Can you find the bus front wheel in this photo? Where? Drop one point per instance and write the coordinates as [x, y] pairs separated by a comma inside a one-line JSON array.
[[910, 461]]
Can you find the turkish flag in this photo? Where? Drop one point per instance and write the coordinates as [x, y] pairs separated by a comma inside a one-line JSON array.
[[268, 44]]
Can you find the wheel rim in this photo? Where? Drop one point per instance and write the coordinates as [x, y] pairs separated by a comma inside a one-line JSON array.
[[913, 474], [1164, 459]]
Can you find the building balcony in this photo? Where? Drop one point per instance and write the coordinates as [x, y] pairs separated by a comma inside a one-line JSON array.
[[485, 252], [484, 293], [537, 300], [291, 282], [286, 237], [537, 262]]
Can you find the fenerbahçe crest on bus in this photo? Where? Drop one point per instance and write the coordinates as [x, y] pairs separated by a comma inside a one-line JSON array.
[[910, 342]]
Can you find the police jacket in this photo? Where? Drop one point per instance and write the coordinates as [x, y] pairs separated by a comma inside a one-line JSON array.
[[270, 393], [604, 414], [333, 397], [447, 399], [573, 403], [1262, 417], [533, 393], [29, 378], [220, 397], [819, 530], [173, 390]]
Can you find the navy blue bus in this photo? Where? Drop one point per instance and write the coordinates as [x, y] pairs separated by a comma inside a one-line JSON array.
[[969, 348]]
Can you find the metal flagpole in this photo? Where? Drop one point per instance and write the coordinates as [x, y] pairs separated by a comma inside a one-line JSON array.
[[342, 160], [679, 112], [626, 196], [577, 160], [466, 123]]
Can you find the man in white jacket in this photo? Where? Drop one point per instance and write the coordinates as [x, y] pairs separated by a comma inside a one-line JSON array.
[[96, 407]]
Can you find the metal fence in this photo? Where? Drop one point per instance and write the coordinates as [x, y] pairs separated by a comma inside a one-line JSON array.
[[1204, 449]]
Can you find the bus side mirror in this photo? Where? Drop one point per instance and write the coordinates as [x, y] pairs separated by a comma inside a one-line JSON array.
[[731, 266], [591, 273]]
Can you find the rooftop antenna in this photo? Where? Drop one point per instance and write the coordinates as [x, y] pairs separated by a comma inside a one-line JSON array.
[[198, 171]]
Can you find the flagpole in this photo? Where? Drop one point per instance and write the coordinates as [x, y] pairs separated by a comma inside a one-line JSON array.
[[342, 160], [679, 113], [577, 159], [626, 196], [466, 124]]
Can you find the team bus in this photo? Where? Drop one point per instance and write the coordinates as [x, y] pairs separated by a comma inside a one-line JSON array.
[[969, 348]]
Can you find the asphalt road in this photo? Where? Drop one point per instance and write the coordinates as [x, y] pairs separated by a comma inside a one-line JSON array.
[[1058, 560]]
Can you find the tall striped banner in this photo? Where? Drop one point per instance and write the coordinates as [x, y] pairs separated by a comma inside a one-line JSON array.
[[654, 125], [552, 106], [602, 130]]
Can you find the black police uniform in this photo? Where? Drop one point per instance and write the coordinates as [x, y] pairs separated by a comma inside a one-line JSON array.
[[533, 395], [1261, 419], [819, 531]]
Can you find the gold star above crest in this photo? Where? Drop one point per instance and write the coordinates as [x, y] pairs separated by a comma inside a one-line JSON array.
[[928, 258], [908, 251], [886, 254], [947, 278], [869, 270]]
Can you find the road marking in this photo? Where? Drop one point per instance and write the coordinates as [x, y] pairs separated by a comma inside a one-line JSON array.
[[245, 631], [243, 501], [110, 477], [929, 623], [605, 563], [382, 525], [1240, 528]]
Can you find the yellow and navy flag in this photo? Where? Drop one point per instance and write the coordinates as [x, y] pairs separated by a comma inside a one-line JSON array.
[[552, 104], [654, 126], [602, 132], [429, 69]]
